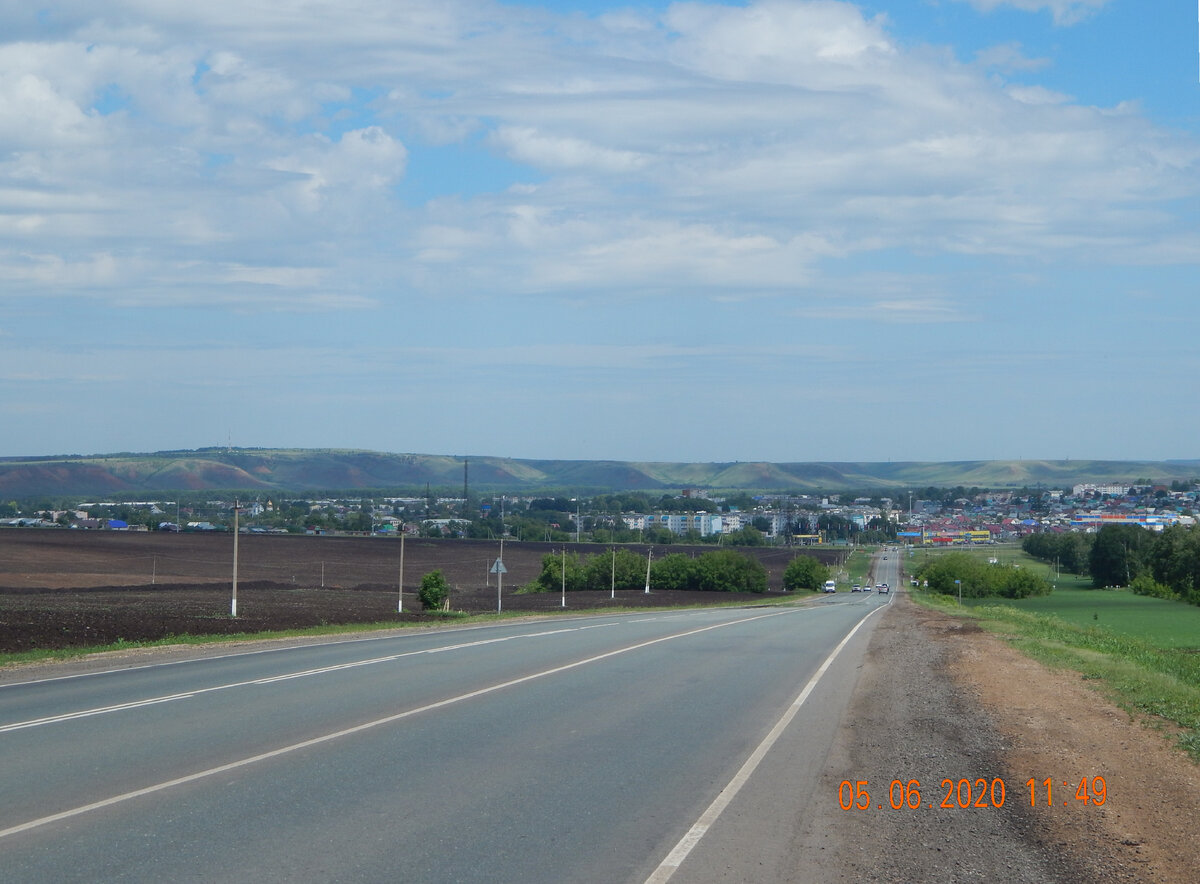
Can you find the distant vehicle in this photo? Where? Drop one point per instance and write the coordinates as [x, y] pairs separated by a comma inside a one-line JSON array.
[[856, 588], [883, 587], [830, 586]]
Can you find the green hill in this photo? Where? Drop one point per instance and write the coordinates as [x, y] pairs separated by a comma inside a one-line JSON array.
[[335, 469]]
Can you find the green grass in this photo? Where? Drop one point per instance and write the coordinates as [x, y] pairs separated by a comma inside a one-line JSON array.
[[859, 564], [1141, 673], [1163, 623]]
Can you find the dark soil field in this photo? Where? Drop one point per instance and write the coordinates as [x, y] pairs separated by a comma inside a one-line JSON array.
[[64, 588]]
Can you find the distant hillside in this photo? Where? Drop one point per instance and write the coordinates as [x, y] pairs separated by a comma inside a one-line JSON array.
[[301, 470]]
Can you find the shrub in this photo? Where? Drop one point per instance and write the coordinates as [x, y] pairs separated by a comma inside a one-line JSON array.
[[1144, 584], [728, 571], [551, 577], [979, 580], [804, 572], [673, 571], [434, 591]]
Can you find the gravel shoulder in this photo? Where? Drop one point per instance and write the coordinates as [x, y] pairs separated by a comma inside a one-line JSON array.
[[938, 699]]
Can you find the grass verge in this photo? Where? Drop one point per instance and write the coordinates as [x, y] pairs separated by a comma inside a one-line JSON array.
[[858, 566], [1162, 684]]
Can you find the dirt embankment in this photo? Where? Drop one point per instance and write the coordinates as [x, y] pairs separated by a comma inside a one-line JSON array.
[[940, 699]]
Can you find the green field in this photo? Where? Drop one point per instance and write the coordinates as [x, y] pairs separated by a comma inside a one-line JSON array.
[[1163, 623], [1166, 624]]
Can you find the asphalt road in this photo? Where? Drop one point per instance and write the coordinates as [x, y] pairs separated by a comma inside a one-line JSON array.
[[582, 749]]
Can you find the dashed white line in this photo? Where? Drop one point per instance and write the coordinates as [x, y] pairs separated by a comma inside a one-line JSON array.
[[325, 738], [323, 670]]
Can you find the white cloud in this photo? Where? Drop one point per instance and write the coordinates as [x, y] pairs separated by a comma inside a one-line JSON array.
[[364, 159], [1065, 12], [172, 153], [34, 114], [526, 145], [774, 41], [1009, 57], [1036, 95]]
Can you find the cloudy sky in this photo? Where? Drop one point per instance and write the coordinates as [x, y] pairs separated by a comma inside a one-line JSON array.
[[785, 230]]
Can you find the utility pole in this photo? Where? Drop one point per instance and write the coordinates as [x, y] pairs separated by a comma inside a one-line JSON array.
[[400, 602], [466, 496], [499, 569], [233, 603]]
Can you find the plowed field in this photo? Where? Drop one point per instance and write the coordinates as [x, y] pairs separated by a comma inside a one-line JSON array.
[[64, 588]]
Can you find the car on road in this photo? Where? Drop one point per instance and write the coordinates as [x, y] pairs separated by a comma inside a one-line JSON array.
[[883, 587], [830, 586], [856, 588]]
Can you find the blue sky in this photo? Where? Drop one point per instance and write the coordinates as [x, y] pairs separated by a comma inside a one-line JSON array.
[[780, 230]]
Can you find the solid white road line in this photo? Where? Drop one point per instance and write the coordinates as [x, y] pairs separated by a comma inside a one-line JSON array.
[[325, 738], [323, 670], [688, 842]]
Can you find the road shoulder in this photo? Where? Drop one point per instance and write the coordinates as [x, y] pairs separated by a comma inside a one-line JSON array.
[[940, 699]]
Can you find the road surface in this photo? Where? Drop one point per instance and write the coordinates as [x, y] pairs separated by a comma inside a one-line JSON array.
[[572, 749]]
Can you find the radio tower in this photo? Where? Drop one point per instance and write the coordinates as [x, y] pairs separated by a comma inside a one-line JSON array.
[[466, 499]]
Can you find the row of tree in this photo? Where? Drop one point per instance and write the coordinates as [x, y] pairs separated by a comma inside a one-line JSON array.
[[1071, 551], [1165, 565], [721, 570]]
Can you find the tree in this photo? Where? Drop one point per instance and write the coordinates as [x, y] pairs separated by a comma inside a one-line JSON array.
[[724, 570], [434, 591], [623, 569], [1118, 554], [957, 572], [552, 577], [746, 537], [804, 572], [659, 535], [1175, 560], [672, 571], [1070, 550]]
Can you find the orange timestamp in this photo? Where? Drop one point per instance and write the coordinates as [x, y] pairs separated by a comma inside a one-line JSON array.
[[966, 792]]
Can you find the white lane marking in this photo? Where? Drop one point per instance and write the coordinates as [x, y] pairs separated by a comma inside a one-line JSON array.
[[88, 713], [254, 653], [688, 842], [369, 725], [323, 670]]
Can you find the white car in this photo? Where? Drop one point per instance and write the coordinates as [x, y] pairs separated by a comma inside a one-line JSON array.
[[856, 588], [883, 587]]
